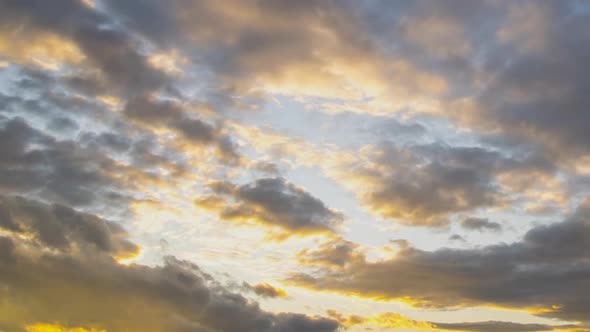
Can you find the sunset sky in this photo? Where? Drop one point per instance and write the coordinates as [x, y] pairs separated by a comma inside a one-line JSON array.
[[294, 165]]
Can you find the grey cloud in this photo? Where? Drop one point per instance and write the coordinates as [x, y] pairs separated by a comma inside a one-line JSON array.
[[254, 50], [33, 162], [272, 201], [6, 249], [497, 326], [337, 252], [265, 290], [88, 169], [552, 83], [62, 124], [396, 129], [294, 323], [546, 270], [422, 185], [456, 237], [120, 54], [480, 224], [534, 94], [107, 140], [154, 19], [113, 51], [103, 294], [161, 112], [264, 43], [60, 227], [268, 168]]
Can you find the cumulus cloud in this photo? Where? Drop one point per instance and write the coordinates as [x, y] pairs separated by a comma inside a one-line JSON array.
[[104, 103], [424, 184], [104, 294], [456, 238], [33, 162], [92, 33], [392, 320], [493, 326], [535, 78], [337, 252], [480, 224], [61, 228], [266, 290], [544, 273], [168, 114], [272, 202]]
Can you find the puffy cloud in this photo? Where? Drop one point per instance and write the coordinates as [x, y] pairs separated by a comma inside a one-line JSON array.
[[272, 202], [34, 162], [103, 294], [493, 326], [309, 49], [545, 273], [113, 101], [480, 224], [93, 34], [266, 290], [336, 252], [535, 79], [392, 320], [61, 228], [457, 238], [167, 114], [423, 185]]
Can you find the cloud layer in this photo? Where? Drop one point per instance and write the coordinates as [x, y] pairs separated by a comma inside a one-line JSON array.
[[545, 273], [429, 153], [52, 252]]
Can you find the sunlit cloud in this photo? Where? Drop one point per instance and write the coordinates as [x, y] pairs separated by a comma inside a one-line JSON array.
[[287, 166]]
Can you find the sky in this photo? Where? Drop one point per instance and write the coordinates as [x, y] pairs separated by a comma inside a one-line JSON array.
[[294, 166]]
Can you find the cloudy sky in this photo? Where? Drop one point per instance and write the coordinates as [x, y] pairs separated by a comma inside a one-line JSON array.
[[294, 165]]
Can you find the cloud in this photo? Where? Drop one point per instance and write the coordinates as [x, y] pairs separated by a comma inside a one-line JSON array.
[[265, 49], [392, 320], [269, 48], [104, 294], [543, 273], [388, 320], [93, 34], [536, 79], [480, 224], [109, 102], [423, 185], [336, 252], [266, 290], [33, 162], [61, 228], [272, 202], [40, 327], [493, 326], [102, 158], [115, 63], [457, 238], [156, 113]]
